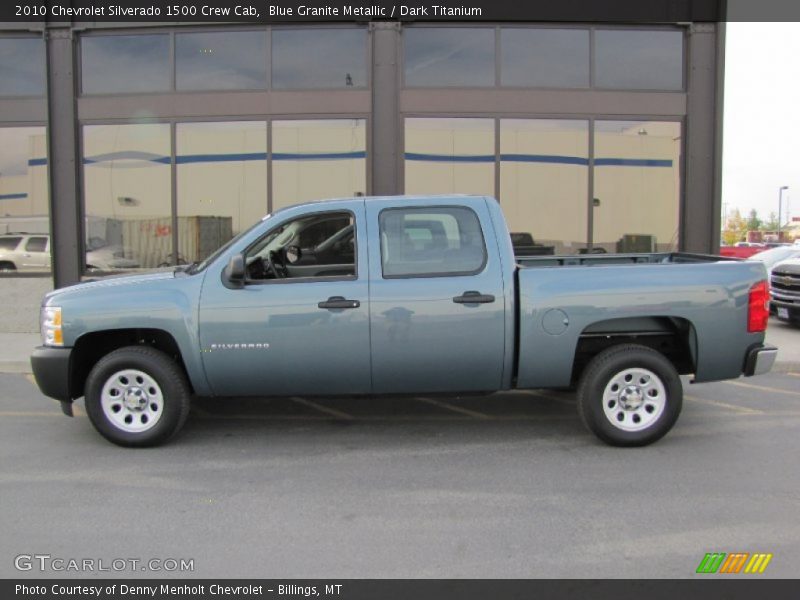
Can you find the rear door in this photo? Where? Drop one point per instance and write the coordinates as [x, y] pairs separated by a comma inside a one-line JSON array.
[[36, 253], [437, 313]]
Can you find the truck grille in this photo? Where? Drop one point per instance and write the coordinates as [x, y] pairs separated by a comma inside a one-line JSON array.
[[785, 287]]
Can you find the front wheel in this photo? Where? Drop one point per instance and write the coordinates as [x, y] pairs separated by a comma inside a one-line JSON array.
[[137, 396], [630, 395]]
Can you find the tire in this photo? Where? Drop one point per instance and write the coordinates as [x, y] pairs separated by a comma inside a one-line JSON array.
[[630, 395], [137, 396], [7, 267]]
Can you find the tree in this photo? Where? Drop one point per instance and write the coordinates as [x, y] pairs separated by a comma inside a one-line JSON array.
[[753, 222], [735, 228], [771, 224]]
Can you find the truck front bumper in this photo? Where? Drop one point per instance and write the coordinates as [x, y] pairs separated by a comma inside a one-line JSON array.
[[51, 368], [760, 360]]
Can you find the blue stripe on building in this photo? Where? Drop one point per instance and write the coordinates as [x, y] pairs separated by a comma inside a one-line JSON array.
[[13, 196], [411, 156]]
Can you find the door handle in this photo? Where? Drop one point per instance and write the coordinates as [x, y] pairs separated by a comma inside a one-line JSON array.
[[339, 302], [473, 298]]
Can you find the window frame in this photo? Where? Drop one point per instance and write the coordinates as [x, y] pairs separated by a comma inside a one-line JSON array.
[[439, 274], [291, 280]]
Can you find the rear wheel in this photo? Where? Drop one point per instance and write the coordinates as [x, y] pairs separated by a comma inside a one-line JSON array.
[[630, 395], [7, 267], [137, 396]]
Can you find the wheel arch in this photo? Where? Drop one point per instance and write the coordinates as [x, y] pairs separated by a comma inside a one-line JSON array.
[[674, 337], [91, 347]]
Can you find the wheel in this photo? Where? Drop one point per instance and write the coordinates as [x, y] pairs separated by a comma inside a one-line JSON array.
[[630, 395], [7, 267], [137, 396]]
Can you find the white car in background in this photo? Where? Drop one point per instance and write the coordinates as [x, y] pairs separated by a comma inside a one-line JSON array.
[[773, 256], [30, 252]]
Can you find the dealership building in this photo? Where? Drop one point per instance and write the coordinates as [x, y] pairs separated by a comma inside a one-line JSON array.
[[160, 142]]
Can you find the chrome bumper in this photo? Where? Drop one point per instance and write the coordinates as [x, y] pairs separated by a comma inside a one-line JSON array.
[[760, 360]]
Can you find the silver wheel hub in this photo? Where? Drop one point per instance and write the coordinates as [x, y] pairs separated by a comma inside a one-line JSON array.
[[634, 399], [132, 400]]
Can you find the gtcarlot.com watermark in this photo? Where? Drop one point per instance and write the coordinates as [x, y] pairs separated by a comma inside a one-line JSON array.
[[57, 564]]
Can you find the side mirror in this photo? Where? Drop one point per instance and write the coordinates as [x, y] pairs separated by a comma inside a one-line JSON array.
[[234, 272], [293, 254]]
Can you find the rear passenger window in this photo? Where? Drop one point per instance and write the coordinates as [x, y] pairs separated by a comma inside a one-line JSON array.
[[36, 244], [9, 243], [431, 242]]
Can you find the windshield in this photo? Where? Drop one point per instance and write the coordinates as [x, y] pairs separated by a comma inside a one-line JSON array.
[[203, 265]]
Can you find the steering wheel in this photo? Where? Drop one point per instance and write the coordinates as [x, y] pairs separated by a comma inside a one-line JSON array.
[[269, 266]]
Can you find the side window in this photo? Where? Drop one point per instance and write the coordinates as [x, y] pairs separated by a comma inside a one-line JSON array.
[[9, 243], [313, 246], [36, 244], [431, 242]]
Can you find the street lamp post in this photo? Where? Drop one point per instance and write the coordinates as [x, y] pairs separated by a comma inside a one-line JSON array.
[[780, 208]]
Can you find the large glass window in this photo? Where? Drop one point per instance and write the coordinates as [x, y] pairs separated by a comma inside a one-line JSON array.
[[24, 200], [639, 60], [557, 58], [636, 185], [544, 177], [429, 242], [127, 196], [118, 64], [318, 159], [449, 56], [22, 65], [445, 156], [229, 60], [222, 183], [319, 58]]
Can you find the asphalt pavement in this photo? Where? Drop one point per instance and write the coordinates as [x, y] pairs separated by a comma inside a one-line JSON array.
[[508, 485]]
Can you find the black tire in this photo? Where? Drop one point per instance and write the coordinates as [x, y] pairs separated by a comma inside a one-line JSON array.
[[153, 379], [643, 408], [7, 266]]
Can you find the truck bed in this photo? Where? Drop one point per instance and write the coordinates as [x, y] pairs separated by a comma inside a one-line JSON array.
[[618, 259]]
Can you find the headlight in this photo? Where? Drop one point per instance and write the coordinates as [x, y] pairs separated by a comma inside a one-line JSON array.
[[50, 326]]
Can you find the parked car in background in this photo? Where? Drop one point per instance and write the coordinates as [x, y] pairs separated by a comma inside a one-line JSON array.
[[741, 250], [773, 256], [30, 252], [785, 290]]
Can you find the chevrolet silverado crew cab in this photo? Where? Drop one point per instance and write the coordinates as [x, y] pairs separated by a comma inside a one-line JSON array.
[[401, 295]]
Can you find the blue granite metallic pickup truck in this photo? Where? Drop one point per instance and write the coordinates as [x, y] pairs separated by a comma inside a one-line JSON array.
[[402, 295]]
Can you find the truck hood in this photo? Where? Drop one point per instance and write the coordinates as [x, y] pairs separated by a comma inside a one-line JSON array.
[[116, 281], [789, 267]]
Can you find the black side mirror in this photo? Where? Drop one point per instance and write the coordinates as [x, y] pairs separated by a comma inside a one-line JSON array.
[[234, 272]]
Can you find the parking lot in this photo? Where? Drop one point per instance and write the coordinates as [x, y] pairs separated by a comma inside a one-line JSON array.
[[509, 485]]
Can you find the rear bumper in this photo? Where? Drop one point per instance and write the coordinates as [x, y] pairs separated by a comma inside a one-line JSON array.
[[51, 370], [760, 360]]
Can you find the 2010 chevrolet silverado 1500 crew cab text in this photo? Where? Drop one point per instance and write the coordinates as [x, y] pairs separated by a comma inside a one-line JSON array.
[[401, 295]]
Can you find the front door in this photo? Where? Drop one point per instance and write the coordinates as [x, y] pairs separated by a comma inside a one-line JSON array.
[[298, 328], [436, 296]]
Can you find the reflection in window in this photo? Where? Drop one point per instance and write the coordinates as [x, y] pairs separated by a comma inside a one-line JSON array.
[[445, 156], [420, 242], [22, 64], [544, 177], [319, 58], [556, 58], [452, 56], [221, 61], [637, 185], [318, 159], [115, 64], [222, 183], [24, 199], [639, 60], [127, 196]]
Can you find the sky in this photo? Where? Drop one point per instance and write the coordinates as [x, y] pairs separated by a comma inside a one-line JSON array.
[[761, 132]]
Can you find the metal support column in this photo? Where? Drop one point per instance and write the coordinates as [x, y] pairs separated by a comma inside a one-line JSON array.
[[702, 194], [63, 158], [385, 121]]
